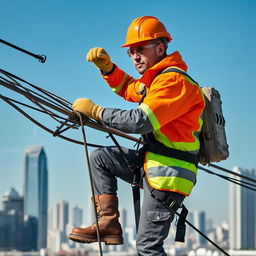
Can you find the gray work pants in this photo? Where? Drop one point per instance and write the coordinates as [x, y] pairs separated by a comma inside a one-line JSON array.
[[107, 164]]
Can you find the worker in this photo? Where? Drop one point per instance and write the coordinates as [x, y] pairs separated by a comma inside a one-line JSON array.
[[168, 116]]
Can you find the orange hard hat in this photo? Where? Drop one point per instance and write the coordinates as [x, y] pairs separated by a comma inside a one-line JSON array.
[[145, 28]]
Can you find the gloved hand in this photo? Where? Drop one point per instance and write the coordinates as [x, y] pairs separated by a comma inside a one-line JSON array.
[[88, 108], [100, 58]]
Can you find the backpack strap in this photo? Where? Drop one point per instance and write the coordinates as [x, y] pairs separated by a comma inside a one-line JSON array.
[[177, 71]]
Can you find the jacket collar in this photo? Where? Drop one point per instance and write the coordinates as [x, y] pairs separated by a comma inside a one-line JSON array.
[[172, 60]]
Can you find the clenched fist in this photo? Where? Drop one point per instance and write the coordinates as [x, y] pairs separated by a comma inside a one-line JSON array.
[[100, 58]]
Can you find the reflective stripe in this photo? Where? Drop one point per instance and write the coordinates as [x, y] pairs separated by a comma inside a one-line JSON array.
[[192, 147], [168, 171], [154, 160], [146, 109], [120, 86], [175, 184]]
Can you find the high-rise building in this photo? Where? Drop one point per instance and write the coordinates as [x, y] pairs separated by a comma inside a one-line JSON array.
[[11, 221], [53, 217], [58, 221], [63, 215], [58, 216], [77, 216], [35, 197], [197, 218], [242, 213]]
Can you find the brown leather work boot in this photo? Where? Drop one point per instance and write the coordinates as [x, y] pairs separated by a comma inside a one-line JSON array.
[[109, 227]]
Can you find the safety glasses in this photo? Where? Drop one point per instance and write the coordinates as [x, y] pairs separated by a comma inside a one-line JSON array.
[[140, 49]]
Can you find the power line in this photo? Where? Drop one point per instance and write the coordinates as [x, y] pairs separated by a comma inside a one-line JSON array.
[[231, 172], [233, 180]]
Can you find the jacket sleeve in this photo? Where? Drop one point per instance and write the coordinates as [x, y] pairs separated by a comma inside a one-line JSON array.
[[129, 121], [171, 96], [124, 85]]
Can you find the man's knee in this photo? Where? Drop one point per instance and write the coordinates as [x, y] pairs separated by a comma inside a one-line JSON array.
[[96, 156]]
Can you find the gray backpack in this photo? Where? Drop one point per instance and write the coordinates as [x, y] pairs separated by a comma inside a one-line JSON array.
[[213, 141]]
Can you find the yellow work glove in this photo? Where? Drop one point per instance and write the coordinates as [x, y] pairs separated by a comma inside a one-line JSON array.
[[100, 58], [88, 108]]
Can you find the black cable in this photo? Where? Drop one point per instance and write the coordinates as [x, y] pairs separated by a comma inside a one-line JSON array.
[[31, 92], [44, 127], [26, 105], [203, 235], [135, 189], [242, 181], [233, 180], [91, 181], [73, 125], [41, 58], [231, 172], [50, 94], [60, 109]]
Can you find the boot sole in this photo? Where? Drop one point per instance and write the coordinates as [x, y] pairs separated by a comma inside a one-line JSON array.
[[111, 240]]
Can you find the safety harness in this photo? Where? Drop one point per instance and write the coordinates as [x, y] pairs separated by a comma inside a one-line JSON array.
[[154, 146]]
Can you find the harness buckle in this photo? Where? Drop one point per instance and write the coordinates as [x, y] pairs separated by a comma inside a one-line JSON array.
[[171, 203]]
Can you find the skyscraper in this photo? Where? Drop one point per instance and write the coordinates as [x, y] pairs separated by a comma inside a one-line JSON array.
[[35, 197], [196, 218], [242, 213], [199, 222], [11, 221], [77, 216], [58, 219], [63, 215]]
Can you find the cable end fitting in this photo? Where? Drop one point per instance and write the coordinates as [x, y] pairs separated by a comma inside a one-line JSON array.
[[42, 58]]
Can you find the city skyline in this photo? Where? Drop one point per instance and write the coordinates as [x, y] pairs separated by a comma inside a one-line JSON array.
[[60, 223], [57, 239]]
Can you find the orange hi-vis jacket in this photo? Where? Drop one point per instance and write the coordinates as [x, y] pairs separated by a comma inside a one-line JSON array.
[[173, 106]]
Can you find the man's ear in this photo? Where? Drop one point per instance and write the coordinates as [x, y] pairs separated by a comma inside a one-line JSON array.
[[161, 49]]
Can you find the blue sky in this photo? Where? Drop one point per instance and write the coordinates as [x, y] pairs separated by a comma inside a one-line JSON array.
[[216, 39]]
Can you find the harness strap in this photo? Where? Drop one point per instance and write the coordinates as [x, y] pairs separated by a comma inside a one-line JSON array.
[[181, 225], [177, 71], [136, 202], [157, 147], [164, 197]]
